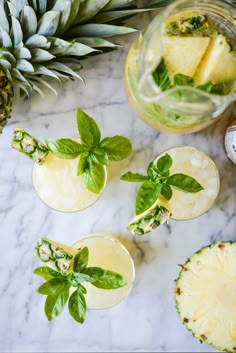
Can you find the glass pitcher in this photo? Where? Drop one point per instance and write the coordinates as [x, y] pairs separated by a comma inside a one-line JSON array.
[[180, 74]]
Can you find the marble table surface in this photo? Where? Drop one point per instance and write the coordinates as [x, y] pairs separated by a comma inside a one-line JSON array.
[[147, 319]]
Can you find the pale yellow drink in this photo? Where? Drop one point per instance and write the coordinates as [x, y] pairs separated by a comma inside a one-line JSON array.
[[191, 161], [107, 252], [58, 186]]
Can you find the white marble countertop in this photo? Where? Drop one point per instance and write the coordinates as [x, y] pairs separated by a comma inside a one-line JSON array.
[[147, 319]]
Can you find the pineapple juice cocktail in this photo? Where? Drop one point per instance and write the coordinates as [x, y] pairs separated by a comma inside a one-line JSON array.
[[191, 161], [180, 74], [57, 184], [106, 251]]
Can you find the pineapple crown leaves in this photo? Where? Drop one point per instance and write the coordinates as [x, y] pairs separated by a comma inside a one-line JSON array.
[[58, 285], [51, 37], [94, 153], [158, 182]]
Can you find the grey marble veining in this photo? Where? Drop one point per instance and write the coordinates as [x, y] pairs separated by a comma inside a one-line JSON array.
[[146, 320]]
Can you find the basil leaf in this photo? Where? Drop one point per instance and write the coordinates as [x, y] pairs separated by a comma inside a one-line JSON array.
[[152, 171], [77, 305], [105, 279], [89, 132], [147, 195], [83, 164], [46, 272], [65, 148], [94, 177], [164, 163], [133, 177], [81, 260], [184, 183], [100, 156], [83, 289], [54, 304], [183, 80], [116, 147], [166, 191], [78, 278], [161, 76], [54, 286]]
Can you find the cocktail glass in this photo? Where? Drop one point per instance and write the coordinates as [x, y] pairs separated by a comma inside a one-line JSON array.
[[193, 162], [58, 186], [106, 251]]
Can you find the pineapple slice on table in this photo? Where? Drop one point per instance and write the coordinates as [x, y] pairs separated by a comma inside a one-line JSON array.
[[184, 54], [57, 256], [205, 295], [218, 64]]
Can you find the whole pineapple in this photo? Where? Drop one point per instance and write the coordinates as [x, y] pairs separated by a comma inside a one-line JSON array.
[[50, 37]]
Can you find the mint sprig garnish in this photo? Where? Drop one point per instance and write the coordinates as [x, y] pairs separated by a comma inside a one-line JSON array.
[[158, 182], [58, 287], [94, 153]]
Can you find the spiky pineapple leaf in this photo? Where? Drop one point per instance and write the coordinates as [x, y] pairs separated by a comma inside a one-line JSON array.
[[48, 23], [16, 34], [4, 20], [64, 7], [29, 22], [109, 16], [97, 42], [40, 55], [89, 9], [99, 30], [38, 41], [5, 39], [116, 4], [24, 65]]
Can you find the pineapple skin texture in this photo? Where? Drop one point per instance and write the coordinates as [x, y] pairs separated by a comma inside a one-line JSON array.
[[6, 98], [187, 322]]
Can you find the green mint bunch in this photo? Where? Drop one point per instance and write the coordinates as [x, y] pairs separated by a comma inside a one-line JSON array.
[[94, 153], [163, 80], [158, 182], [60, 289]]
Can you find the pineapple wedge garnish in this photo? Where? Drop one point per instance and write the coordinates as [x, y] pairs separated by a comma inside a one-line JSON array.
[[205, 295], [218, 64], [150, 219], [184, 54], [57, 256]]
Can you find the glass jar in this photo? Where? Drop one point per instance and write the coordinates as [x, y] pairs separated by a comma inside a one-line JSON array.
[[184, 107]]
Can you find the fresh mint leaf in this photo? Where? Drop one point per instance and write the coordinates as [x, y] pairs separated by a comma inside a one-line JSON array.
[[77, 305], [54, 286], [161, 76], [46, 272], [147, 195], [83, 164], [89, 131], [116, 147], [105, 279], [94, 177], [133, 177], [65, 148], [184, 183], [183, 80], [81, 260], [100, 156], [166, 191], [164, 164], [54, 304]]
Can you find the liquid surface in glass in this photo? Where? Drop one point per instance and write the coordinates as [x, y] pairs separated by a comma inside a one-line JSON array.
[[57, 184], [107, 252], [190, 161]]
